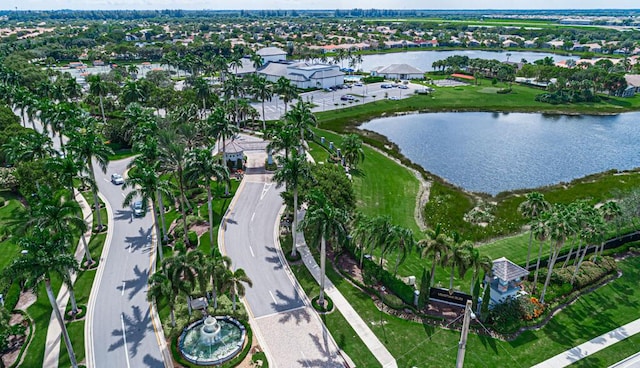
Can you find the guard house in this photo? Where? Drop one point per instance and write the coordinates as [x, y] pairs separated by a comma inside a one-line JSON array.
[[233, 154], [506, 280]]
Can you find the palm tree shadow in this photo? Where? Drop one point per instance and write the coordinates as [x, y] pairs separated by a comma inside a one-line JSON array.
[[123, 215], [136, 327], [135, 284], [291, 308], [357, 172], [274, 258], [140, 242], [150, 361], [332, 359]]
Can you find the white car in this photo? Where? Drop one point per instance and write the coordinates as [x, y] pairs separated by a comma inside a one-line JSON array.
[[117, 179], [138, 209], [394, 98]]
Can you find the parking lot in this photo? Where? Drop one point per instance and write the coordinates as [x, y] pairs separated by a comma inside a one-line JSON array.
[[324, 101]]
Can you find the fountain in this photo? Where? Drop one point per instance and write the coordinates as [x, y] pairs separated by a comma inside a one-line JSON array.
[[212, 340]]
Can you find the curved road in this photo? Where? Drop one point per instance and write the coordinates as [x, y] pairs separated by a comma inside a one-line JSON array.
[[289, 330], [119, 330]]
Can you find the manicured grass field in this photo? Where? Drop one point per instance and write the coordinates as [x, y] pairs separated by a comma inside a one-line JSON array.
[[414, 344]]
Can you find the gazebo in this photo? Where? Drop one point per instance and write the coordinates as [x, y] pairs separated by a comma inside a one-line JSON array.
[[233, 154], [506, 280]]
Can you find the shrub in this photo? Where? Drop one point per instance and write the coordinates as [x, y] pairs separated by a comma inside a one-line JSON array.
[[2, 201], [193, 238], [589, 273], [392, 301], [373, 79], [504, 91]]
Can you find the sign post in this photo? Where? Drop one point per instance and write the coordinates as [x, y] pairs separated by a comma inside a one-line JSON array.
[[463, 335]]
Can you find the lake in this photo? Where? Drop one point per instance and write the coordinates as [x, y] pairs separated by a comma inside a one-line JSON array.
[[424, 59], [495, 152]]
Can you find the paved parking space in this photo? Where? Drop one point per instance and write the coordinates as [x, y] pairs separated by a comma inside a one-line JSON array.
[[326, 101]]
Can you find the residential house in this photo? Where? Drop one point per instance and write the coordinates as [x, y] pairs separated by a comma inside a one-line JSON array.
[[633, 85]]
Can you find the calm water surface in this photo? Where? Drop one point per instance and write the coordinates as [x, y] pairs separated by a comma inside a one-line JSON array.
[[424, 59], [494, 152]]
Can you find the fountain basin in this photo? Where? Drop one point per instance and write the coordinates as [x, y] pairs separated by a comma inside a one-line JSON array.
[[199, 346]]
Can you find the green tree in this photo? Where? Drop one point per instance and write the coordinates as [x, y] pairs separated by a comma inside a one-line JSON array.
[[87, 145], [286, 91], [531, 208], [261, 89], [292, 172], [235, 284], [324, 222], [435, 244], [43, 259], [98, 87], [352, 150], [300, 117]]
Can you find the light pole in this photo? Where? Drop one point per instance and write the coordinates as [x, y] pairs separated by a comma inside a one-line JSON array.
[[468, 314]]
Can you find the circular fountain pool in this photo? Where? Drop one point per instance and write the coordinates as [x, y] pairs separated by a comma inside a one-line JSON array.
[[212, 340]]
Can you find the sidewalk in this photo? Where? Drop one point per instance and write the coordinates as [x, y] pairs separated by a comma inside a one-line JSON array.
[[52, 345], [357, 323], [592, 346]]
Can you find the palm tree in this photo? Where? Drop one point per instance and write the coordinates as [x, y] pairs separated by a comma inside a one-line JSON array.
[[221, 128], [286, 90], [301, 118], [437, 244], [402, 240], [478, 263], [262, 90], [203, 92], [132, 92], [531, 208], [284, 137], [87, 144], [235, 284], [98, 87], [610, 211], [352, 150], [559, 230], [293, 172], [219, 266], [145, 183], [173, 159], [43, 259], [457, 257], [541, 233], [201, 165], [325, 223], [232, 90], [29, 146]]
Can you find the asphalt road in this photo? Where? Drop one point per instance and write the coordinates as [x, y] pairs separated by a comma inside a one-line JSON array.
[[631, 362], [289, 330], [122, 333]]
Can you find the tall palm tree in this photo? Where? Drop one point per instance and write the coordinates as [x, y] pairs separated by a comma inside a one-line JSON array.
[[132, 92], [232, 90], [437, 244], [221, 128], [531, 208], [325, 223], [403, 242], [352, 150], [559, 230], [286, 91], [478, 263], [610, 211], [541, 233], [173, 159], [235, 284], [203, 92], [293, 172], [29, 146], [458, 257], [261, 89], [145, 183], [42, 260], [98, 87], [301, 118], [284, 137], [87, 144], [201, 165]]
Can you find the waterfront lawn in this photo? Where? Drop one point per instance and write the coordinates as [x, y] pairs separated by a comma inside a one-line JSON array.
[[470, 98], [382, 186], [414, 344]]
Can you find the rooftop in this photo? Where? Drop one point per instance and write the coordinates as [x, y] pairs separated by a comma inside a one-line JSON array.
[[506, 270]]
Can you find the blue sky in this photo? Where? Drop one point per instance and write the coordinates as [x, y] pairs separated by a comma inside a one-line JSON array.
[[315, 4]]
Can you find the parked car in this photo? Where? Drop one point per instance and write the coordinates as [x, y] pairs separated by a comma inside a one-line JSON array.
[[394, 98], [358, 84], [347, 98], [328, 89], [138, 209], [117, 179], [386, 85], [403, 86]]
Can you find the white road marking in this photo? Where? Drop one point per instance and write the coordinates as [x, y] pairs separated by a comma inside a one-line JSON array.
[[265, 189], [123, 287], [123, 195], [105, 179], [124, 338], [251, 250], [273, 297], [252, 216]]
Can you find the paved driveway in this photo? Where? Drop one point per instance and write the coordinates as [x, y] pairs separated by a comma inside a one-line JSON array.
[[122, 332], [289, 330]]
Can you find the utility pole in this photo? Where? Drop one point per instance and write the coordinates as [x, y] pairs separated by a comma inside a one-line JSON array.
[[463, 335]]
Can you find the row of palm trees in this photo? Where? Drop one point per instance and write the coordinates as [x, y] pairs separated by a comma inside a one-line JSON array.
[[577, 222]]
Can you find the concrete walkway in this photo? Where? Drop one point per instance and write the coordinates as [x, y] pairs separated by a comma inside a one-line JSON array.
[[52, 346], [357, 323], [592, 346]]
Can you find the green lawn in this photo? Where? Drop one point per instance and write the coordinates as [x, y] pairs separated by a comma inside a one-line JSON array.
[[414, 344]]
